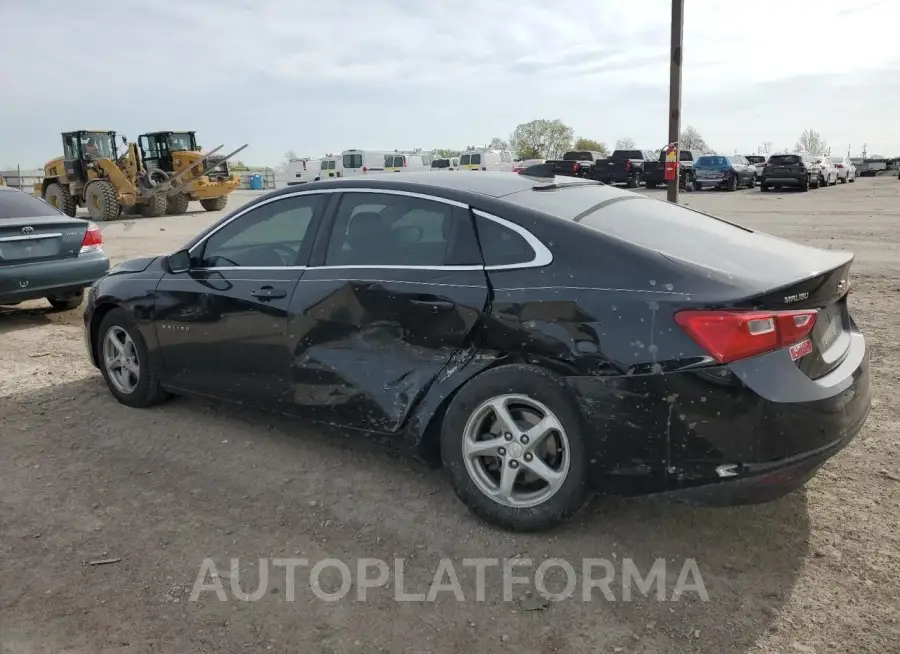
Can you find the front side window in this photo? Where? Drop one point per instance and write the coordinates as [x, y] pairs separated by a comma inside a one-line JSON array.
[[379, 229], [270, 235]]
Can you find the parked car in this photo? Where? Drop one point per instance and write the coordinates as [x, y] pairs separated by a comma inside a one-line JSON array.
[[623, 167], [720, 171], [45, 253], [493, 323], [792, 170], [759, 161], [828, 174], [846, 170], [872, 166], [519, 166], [576, 163], [655, 171]]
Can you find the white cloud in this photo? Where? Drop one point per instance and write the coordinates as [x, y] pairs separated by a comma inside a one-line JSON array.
[[312, 76]]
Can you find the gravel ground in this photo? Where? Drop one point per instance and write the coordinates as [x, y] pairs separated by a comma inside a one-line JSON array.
[[84, 479]]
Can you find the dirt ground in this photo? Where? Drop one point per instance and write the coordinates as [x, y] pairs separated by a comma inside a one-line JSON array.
[[83, 478]]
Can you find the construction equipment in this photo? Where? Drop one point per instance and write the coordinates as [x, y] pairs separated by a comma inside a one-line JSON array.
[[174, 158], [91, 173]]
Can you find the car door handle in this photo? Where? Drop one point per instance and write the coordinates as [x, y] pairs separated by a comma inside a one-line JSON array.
[[268, 293], [439, 305]]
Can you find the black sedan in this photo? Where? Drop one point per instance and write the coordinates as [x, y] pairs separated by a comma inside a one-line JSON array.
[[542, 338], [46, 254]]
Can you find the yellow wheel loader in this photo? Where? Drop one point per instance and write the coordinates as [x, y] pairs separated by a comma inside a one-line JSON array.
[[92, 174], [175, 158]]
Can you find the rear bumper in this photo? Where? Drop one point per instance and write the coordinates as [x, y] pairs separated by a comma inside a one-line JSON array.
[[618, 178], [785, 180], [31, 281]]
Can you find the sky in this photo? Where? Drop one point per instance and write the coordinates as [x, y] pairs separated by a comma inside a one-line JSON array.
[[314, 77]]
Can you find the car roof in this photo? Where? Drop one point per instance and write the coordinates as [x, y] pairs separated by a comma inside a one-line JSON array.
[[489, 183]]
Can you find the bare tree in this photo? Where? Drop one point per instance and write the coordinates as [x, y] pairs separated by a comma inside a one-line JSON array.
[[288, 157], [765, 148], [812, 142], [498, 143], [690, 139], [625, 143]]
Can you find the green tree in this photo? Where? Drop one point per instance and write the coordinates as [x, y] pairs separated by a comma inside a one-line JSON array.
[[444, 152], [542, 139], [591, 145]]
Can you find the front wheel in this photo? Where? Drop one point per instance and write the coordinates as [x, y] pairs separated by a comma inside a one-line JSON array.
[[732, 183], [125, 362], [215, 204], [101, 200], [752, 182], [177, 204], [512, 442], [764, 188]]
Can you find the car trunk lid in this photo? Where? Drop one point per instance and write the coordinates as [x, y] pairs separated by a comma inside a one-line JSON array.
[[40, 238]]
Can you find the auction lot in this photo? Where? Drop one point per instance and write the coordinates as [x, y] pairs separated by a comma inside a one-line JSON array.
[[84, 479]]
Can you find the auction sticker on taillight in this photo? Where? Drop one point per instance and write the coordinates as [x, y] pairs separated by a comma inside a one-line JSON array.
[[801, 349]]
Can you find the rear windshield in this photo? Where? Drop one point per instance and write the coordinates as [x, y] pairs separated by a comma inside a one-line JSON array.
[[577, 156], [627, 154], [440, 163], [16, 204], [330, 164], [785, 159], [470, 159], [755, 158], [711, 162], [352, 161]]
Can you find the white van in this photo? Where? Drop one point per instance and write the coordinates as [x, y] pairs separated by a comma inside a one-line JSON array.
[[405, 162], [301, 171], [360, 162], [330, 167], [486, 160]]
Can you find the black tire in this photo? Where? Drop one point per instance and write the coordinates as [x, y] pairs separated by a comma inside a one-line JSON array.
[[67, 301], [805, 185], [537, 384], [842, 180], [732, 184], [650, 184], [752, 182], [215, 204], [764, 188], [58, 196], [634, 182], [101, 201], [155, 206], [148, 391], [177, 204]]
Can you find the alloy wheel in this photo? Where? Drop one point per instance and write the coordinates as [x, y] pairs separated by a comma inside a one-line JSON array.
[[516, 450], [121, 361]]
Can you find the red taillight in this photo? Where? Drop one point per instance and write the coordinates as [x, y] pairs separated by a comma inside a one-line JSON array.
[[93, 239], [732, 335], [483, 168], [627, 164], [839, 165], [364, 169], [576, 167]]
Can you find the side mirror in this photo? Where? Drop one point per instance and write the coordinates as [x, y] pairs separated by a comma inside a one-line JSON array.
[[177, 262]]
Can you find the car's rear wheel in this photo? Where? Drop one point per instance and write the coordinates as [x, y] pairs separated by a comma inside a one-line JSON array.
[[752, 182], [732, 183], [806, 184], [512, 442], [764, 188], [125, 362], [66, 301]]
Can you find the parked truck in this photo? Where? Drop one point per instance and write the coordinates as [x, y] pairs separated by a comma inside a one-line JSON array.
[[576, 163], [655, 171], [624, 167]]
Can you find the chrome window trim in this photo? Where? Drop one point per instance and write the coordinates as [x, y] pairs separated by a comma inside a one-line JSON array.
[[542, 255]]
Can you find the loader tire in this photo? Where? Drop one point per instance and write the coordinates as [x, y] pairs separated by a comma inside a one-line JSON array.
[[178, 204], [215, 204], [58, 196], [100, 198], [155, 206]]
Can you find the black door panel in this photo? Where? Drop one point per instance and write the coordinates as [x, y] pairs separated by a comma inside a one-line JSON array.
[[366, 346]]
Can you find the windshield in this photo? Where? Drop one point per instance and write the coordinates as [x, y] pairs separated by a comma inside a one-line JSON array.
[[577, 156], [98, 144], [627, 154], [755, 158], [712, 162], [440, 163], [179, 142], [785, 160], [352, 161]]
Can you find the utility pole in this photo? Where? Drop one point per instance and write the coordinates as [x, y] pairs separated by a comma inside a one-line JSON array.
[[864, 150], [675, 56]]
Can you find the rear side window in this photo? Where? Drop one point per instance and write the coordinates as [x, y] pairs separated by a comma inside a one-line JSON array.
[[475, 159], [501, 246], [463, 160], [16, 204], [352, 161], [785, 160]]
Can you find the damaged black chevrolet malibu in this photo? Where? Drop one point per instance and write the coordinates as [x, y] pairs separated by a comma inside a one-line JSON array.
[[543, 339]]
